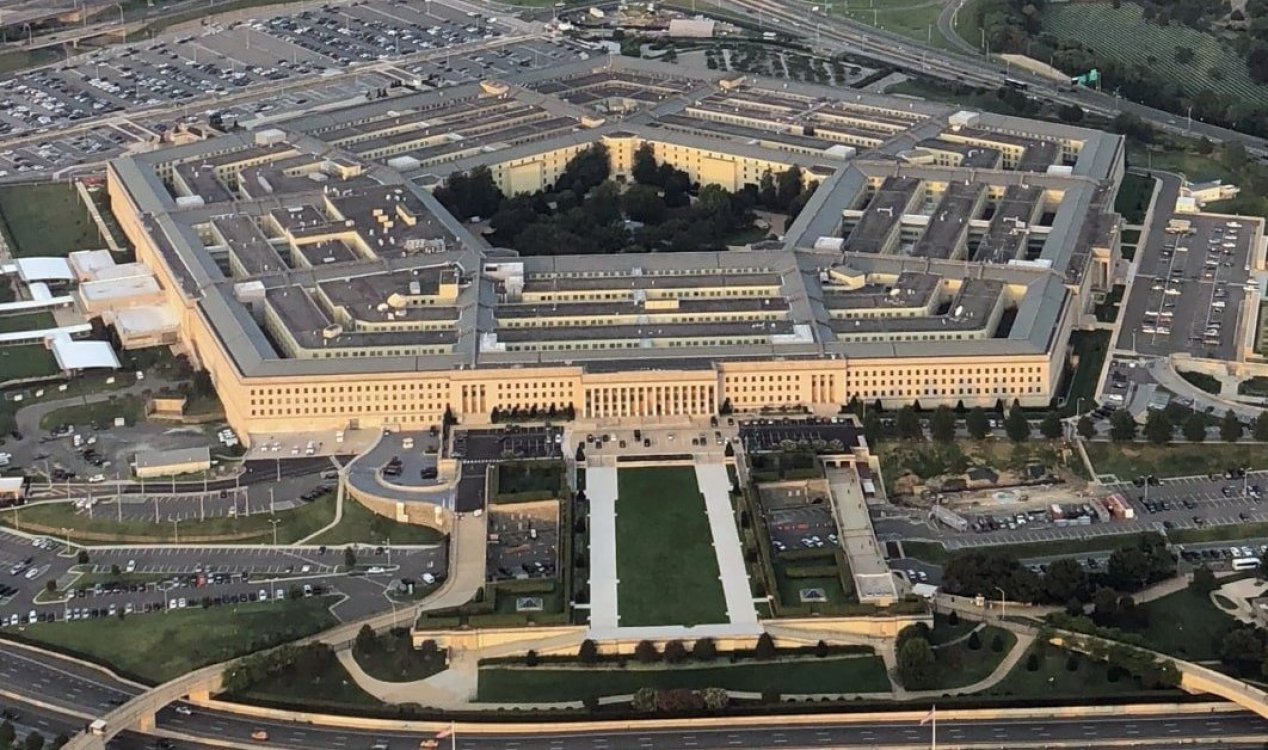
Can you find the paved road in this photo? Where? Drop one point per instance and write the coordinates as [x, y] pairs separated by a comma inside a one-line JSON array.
[[835, 34]]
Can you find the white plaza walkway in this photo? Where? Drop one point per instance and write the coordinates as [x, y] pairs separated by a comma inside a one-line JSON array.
[[601, 492], [715, 485]]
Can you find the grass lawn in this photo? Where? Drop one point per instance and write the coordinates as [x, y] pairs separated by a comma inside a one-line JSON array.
[[1133, 197], [1053, 680], [1103, 27], [1192, 165], [1229, 533], [1185, 624], [958, 665], [253, 529], [1208, 383], [915, 19], [359, 524], [527, 481], [933, 552], [1256, 386], [26, 361], [331, 689], [1127, 460], [159, 647], [664, 551], [395, 659], [26, 322], [859, 674], [945, 632], [131, 408], [1090, 347], [790, 588], [47, 219]]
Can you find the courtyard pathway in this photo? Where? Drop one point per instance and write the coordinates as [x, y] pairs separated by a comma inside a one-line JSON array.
[[715, 485], [601, 492]]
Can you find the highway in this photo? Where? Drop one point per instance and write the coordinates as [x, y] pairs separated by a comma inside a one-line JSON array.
[[834, 35], [71, 691]]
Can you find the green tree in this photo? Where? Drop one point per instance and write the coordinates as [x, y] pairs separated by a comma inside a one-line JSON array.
[[1016, 426], [1158, 428], [942, 425], [588, 652], [1242, 650], [1260, 430], [1086, 427], [916, 665], [975, 641], [1051, 427], [34, 741], [643, 203], [349, 558], [675, 652], [765, 647], [7, 734], [82, 557], [646, 652], [704, 649], [644, 168], [59, 741], [1195, 429], [1203, 580], [1071, 113], [907, 424], [1065, 579], [977, 423], [1231, 429], [1122, 426]]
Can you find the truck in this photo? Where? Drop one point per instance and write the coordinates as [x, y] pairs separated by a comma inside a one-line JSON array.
[[1179, 226]]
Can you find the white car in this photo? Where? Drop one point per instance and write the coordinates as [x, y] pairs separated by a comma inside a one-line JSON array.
[[131, 566], [376, 570], [184, 710]]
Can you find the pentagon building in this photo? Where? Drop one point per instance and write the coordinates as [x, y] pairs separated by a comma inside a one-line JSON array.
[[944, 257]]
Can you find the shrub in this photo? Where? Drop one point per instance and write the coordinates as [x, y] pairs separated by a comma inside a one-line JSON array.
[[646, 652], [975, 641], [1032, 662]]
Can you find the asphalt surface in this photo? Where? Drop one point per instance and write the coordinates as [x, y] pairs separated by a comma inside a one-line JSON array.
[[1174, 297]]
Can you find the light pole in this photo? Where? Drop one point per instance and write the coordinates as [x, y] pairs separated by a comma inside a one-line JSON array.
[[1003, 603], [176, 534], [275, 522], [66, 536]]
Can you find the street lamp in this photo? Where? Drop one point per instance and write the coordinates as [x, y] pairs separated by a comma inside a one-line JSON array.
[[66, 536], [176, 535], [275, 522], [1003, 603]]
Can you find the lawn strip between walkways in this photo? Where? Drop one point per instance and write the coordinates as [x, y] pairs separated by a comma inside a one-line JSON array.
[[665, 562]]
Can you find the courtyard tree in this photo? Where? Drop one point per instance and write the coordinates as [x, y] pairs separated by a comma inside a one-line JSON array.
[[82, 557], [1158, 428], [1017, 426], [1231, 429], [646, 652], [908, 424], [1203, 580], [1122, 426], [1086, 427], [1195, 428], [1260, 430], [977, 423], [765, 647], [916, 665], [942, 425], [704, 649], [1050, 427]]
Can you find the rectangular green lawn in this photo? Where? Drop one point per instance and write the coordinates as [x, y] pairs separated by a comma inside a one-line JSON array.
[[47, 219], [664, 551], [857, 674]]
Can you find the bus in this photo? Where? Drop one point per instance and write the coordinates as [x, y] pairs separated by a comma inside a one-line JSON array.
[[1246, 563], [1013, 83]]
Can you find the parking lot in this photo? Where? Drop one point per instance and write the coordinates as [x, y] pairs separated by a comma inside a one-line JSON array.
[[1195, 502], [1188, 290], [798, 517], [251, 69], [522, 544], [149, 578], [771, 434]]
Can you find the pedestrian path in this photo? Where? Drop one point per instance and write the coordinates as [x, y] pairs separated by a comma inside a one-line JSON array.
[[715, 485], [601, 484]]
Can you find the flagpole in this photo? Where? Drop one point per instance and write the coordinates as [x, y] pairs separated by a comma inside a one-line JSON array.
[[933, 733], [453, 737]]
